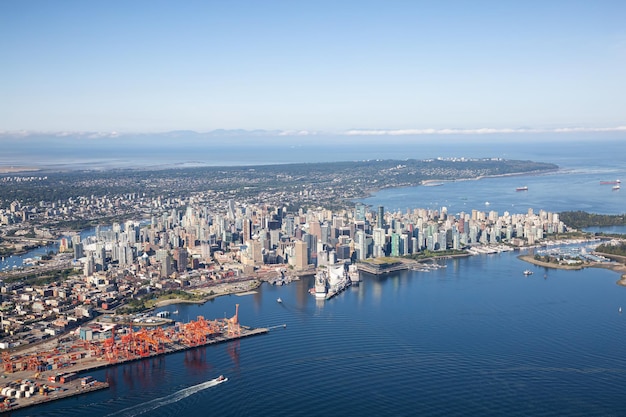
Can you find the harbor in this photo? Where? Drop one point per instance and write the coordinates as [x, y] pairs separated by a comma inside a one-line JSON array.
[[48, 375]]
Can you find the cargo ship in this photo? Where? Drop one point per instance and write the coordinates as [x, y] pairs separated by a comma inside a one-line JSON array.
[[524, 188], [610, 182]]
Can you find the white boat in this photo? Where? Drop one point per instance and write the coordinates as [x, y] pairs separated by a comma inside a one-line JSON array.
[[279, 300], [220, 379], [528, 272], [616, 187], [321, 282]]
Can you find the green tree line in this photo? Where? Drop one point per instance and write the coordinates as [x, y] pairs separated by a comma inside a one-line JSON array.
[[581, 219]]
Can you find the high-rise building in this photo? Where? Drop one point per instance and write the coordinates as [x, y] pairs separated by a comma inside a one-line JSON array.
[[380, 219], [247, 230], [360, 245], [302, 261], [359, 212], [289, 225], [166, 266], [256, 251], [315, 229], [78, 250], [181, 257], [395, 244]]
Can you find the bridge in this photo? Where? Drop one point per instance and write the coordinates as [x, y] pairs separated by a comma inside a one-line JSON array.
[[39, 240]]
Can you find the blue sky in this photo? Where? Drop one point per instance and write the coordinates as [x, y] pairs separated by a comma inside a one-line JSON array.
[[324, 66]]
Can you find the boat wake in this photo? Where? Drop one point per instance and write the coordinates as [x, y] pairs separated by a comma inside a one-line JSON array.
[[169, 399]]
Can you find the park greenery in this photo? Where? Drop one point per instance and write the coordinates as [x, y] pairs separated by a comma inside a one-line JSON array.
[[45, 278], [581, 219], [148, 301], [619, 249]]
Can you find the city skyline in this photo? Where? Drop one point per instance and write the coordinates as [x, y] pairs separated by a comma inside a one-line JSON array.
[[367, 68]]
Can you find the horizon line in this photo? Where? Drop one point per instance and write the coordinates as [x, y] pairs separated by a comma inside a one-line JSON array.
[[350, 132]]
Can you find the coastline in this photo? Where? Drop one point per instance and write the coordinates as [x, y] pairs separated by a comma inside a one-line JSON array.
[[431, 182], [616, 267], [530, 259], [229, 288]]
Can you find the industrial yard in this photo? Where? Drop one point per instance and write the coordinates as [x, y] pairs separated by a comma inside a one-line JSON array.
[[45, 375]]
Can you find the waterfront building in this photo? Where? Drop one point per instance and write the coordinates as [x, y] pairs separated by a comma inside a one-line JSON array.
[[301, 255], [360, 245], [395, 244]]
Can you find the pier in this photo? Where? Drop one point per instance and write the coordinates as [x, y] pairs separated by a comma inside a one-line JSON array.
[[44, 376]]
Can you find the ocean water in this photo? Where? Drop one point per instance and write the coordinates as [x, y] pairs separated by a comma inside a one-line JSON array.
[[575, 186], [474, 338]]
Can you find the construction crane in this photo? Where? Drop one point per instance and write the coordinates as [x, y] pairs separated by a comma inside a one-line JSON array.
[[234, 329]]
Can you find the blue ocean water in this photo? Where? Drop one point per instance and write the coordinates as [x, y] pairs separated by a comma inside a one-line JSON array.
[[474, 338], [575, 186]]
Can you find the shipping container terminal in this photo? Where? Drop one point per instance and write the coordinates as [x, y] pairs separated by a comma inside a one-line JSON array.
[[51, 375]]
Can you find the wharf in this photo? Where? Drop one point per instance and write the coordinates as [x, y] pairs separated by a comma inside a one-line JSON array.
[[71, 389], [86, 364]]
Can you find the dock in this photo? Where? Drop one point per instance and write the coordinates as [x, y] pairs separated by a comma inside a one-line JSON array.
[[71, 390], [45, 376], [59, 390]]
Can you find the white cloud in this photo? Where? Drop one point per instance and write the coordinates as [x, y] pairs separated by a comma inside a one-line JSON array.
[[479, 131], [351, 132]]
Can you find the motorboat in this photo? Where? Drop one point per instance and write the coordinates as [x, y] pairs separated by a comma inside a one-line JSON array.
[[279, 300], [220, 379], [528, 272]]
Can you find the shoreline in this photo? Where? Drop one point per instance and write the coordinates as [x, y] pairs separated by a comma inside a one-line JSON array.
[[619, 268], [432, 182], [229, 288]]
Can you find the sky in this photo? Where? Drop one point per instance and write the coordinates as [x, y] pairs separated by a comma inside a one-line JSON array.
[[297, 67]]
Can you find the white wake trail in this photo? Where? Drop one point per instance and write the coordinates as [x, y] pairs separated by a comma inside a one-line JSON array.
[[160, 402]]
